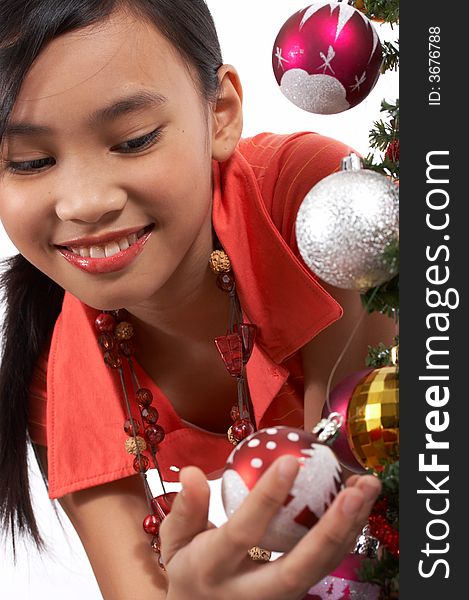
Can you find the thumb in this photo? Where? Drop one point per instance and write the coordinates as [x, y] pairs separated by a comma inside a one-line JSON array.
[[189, 513]]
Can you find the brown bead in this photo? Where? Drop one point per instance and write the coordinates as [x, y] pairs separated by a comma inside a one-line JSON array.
[[124, 331], [219, 262], [131, 445], [142, 465], [150, 415], [127, 348], [128, 427], [105, 322], [120, 314], [154, 434], [144, 397], [231, 437], [226, 282], [112, 360], [106, 341], [261, 554]]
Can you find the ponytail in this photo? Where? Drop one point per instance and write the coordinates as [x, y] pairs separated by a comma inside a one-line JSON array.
[[32, 303]]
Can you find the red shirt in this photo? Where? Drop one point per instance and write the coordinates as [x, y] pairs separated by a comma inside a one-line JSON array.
[[257, 193]]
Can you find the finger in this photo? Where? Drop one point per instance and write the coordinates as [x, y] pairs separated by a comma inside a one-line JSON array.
[[189, 513], [249, 523], [352, 480], [327, 544]]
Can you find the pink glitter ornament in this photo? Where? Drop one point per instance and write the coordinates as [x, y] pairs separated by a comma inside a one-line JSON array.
[[338, 402], [343, 584], [327, 57]]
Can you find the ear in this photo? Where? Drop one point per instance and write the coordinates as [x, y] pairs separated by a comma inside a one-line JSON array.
[[227, 114]]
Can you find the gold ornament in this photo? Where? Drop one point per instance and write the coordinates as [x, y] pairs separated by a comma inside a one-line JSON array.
[[124, 331], [132, 443], [231, 437], [261, 554], [373, 418], [219, 262]]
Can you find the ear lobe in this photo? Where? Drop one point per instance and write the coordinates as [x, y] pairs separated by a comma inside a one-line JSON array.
[[227, 114]]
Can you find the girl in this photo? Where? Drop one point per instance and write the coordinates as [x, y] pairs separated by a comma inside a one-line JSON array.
[[122, 170]]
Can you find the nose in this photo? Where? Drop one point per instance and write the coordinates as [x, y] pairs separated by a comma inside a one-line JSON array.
[[89, 200]]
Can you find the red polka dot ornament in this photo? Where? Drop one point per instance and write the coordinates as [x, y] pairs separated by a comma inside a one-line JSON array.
[[327, 57], [318, 481]]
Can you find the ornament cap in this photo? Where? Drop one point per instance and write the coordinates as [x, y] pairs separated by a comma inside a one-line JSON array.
[[327, 429], [352, 162]]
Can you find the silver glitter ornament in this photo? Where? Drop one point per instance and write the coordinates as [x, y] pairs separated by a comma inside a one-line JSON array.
[[345, 225]]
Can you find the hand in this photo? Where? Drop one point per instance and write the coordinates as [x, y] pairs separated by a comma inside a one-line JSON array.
[[206, 563]]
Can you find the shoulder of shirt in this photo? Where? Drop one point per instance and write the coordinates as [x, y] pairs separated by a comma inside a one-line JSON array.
[[286, 167]]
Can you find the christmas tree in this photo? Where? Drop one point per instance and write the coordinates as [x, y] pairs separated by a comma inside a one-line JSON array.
[[384, 158]]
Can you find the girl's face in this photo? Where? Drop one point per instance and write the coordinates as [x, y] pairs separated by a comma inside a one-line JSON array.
[[107, 185]]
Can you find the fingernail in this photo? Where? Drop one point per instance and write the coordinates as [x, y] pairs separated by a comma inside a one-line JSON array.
[[287, 468], [352, 504]]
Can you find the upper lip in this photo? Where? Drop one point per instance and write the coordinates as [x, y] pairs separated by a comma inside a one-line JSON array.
[[102, 239]]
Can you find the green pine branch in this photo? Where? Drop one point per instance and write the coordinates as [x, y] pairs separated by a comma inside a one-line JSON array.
[[385, 300], [380, 356], [390, 56], [384, 571], [387, 10]]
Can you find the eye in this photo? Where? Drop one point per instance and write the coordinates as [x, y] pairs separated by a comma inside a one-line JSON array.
[[28, 165], [130, 146], [140, 143]]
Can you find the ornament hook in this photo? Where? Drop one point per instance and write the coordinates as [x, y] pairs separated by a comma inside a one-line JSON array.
[[327, 429]]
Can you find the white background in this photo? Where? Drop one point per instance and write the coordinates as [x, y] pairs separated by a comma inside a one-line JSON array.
[[247, 30]]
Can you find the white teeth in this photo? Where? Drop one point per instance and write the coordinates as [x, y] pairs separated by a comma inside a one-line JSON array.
[[108, 249], [124, 244], [111, 249], [97, 252]]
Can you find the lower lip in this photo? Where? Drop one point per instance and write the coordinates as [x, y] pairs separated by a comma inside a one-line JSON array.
[[109, 264]]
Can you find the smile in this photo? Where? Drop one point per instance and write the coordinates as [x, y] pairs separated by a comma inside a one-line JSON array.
[[107, 255]]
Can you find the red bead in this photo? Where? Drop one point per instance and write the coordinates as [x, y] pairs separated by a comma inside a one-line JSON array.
[[226, 282], [141, 465], [151, 524], [105, 323], [162, 504], [241, 429], [248, 337], [234, 412], [128, 427], [230, 348], [144, 397], [112, 360], [150, 415], [154, 434], [127, 348], [106, 341]]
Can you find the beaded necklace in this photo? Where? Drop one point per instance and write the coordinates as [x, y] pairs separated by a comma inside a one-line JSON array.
[[144, 434]]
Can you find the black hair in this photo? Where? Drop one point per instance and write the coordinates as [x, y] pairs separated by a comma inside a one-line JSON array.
[[32, 300]]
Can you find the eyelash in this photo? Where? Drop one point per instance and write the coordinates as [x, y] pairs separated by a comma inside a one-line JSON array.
[[29, 166]]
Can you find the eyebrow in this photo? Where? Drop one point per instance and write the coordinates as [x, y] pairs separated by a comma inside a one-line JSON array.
[[121, 106]]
